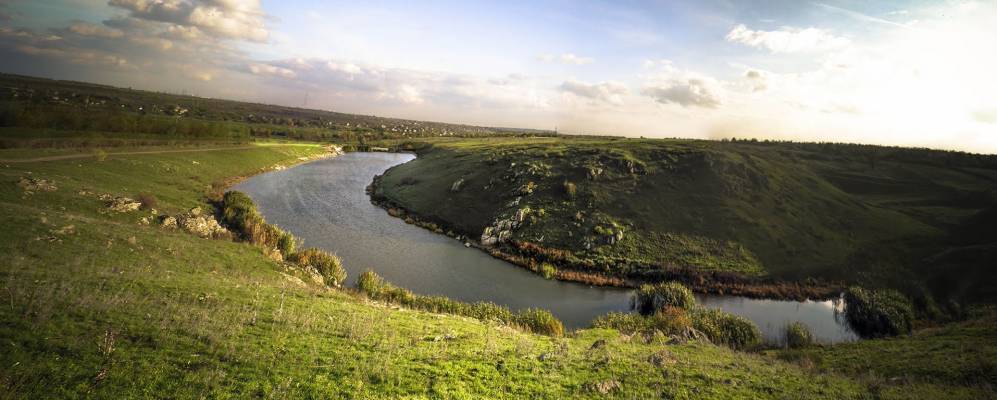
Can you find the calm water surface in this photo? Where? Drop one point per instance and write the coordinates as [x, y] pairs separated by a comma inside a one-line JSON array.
[[324, 203]]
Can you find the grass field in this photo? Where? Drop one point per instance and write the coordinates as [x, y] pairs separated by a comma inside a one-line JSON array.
[[632, 208], [97, 305]]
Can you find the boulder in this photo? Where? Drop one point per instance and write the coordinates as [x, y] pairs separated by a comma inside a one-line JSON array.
[[169, 222], [123, 204], [201, 226]]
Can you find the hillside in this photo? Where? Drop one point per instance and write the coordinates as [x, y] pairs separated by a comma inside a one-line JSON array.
[[642, 209], [99, 305]]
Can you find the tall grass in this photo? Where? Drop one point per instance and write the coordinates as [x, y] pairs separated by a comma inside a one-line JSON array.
[[668, 320], [328, 265], [530, 320], [877, 313], [240, 214], [725, 328], [650, 298], [798, 335]]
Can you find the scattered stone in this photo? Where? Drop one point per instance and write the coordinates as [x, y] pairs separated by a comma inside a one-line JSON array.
[[66, 230], [195, 163], [169, 222], [145, 220], [604, 387], [194, 212], [457, 185], [105, 197], [123, 204], [84, 192], [202, 226], [662, 358], [31, 185]]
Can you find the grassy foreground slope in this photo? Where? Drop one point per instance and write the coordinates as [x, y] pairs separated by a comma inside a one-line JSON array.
[[97, 305], [632, 208]]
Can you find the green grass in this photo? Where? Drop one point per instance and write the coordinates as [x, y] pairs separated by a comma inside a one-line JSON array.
[[782, 210], [117, 309], [957, 359]]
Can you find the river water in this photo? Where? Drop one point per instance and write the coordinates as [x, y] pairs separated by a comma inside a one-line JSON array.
[[324, 204]]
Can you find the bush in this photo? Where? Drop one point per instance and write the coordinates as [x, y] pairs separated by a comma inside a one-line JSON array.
[[651, 298], [725, 328], [328, 265], [539, 321], [548, 271], [240, 215], [798, 335], [148, 200], [669, 320], [370, 283], [877, 313]]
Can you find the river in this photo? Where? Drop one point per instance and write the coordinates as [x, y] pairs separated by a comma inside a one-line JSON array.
[[324, 203]]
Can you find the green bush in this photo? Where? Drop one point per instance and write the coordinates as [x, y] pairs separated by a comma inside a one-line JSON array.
[[548, 271], [798, 335], [370, 283], [669, 320], [539, 321], [651, 298], [725, 328], [286, 243], [877, 313], [240, 215], [328, 265]]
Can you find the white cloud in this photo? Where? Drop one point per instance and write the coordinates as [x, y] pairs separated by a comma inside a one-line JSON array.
[[231, 19], [271, 70], [758, 80], [88, 29], [671, 85], [986, 116], [787, 40], [566, 58], [609, 92]]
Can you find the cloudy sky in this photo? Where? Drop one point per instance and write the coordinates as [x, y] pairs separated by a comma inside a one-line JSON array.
[[920, 73]]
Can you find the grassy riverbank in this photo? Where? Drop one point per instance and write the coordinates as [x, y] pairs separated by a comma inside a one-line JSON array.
[[98, 305], [747, 218]]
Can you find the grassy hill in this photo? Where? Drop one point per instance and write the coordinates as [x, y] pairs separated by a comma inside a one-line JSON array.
[[98, 305], [636, 208]]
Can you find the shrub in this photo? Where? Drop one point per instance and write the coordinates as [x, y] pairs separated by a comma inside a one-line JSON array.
[[539, 321], [877, 313], [669, 320], [650, 298], [549, 271], [628, 323], [370, 283], [240, 215], [798, 335], [286, 243], [328, 265], [100, 155], [725, 328], [148, 200]]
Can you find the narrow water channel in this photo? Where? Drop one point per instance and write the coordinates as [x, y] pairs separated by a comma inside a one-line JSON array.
[[324, 203]]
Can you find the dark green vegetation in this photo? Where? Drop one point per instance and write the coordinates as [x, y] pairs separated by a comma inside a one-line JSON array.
[[798, 335], [106, 113], [650, 298], [882, 312], [738, 217]]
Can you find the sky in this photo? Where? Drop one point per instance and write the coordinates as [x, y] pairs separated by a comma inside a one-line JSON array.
[[910, 73]]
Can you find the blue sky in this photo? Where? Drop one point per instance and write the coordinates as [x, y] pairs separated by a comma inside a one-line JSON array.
[[915, 73]]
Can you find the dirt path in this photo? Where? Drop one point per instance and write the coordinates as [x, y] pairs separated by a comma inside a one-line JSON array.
[[128, 153]]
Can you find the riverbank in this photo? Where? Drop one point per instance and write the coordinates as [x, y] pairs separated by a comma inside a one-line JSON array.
[[534, 258]]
